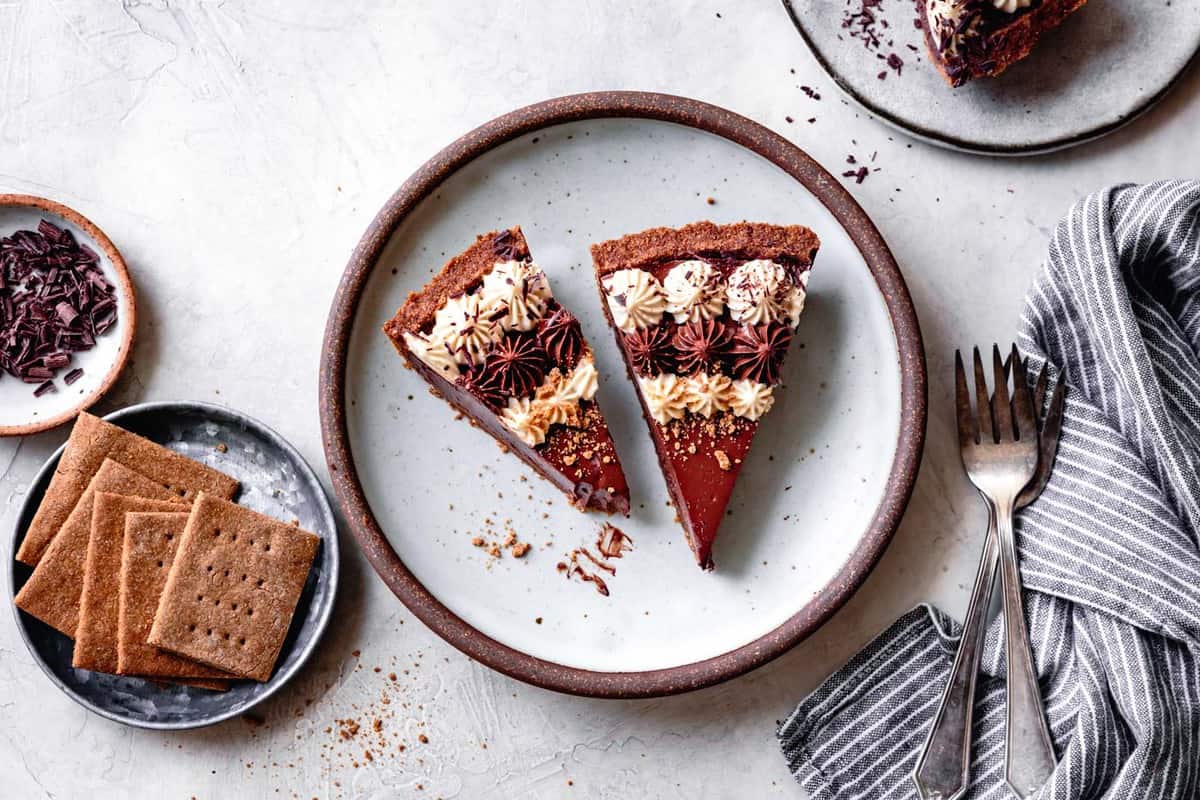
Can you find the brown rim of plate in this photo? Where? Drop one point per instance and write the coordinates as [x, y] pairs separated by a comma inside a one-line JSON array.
[[748, 134], [124, 290]]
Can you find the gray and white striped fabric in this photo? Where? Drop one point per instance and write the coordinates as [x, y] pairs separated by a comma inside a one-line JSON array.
[[1109, 553]]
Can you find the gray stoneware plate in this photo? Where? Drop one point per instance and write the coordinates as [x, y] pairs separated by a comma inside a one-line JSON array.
[[822, 490], [1109, 63], [275, 481]]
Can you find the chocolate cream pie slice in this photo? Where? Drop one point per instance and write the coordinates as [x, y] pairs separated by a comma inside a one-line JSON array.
[[487, 334], [704, 316], [970, 39]]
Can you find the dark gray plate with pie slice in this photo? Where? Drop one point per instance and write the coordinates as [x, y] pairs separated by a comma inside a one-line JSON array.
[[1109, 63], [276, 481]]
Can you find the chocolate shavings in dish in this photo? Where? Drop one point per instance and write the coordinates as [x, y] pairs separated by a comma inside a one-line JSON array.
[[54, 301]]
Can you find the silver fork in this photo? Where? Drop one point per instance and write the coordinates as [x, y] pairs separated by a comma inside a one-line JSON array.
[[943, 768]]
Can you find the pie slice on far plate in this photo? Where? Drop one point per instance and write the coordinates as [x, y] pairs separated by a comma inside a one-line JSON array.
[[704, 316], [970, 39], [487, 334]]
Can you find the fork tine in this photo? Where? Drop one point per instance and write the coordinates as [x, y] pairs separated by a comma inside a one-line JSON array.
[[986, 429], [1022, 407], [968, 428], [1047, 445], [1039, 390], [1054, 417], [1001, 408]]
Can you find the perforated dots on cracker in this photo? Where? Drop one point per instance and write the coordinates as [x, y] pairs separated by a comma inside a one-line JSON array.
[[233, 588]]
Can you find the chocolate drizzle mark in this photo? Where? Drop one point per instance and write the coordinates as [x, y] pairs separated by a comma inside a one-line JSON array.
[[612, 542], [581, 562]]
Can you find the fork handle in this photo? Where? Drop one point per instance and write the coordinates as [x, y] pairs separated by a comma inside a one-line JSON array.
[[944, 768], [1029, 759]]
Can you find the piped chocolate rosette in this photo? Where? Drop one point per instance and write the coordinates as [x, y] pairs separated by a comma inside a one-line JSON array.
[[704, 316], [489, 336]]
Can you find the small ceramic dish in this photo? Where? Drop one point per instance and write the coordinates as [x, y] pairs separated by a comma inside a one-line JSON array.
[[275, 481], [23, 413]]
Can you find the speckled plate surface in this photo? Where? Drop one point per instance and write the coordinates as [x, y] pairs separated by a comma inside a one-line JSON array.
[[817, 501], [20, 412], [1107, 64], [275, 481]]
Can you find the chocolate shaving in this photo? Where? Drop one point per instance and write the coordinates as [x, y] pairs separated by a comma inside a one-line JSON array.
[[54, 301], [859, 174], [505, 246]]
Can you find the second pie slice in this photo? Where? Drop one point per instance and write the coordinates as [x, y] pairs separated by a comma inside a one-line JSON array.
[[704, 316], [490, 338]]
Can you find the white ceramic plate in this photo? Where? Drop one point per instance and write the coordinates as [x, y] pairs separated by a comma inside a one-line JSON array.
[[814, 483], [1106, 65], [20, 412]]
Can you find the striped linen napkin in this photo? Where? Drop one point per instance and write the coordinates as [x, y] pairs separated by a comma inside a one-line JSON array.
[[1109, 553]]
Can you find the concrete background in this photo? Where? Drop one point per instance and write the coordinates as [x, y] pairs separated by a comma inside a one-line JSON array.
[[236, 151]]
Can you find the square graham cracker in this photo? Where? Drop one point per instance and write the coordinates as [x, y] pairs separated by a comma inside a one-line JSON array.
[[92, 441], [53, 591], [151, 540], [233, 588], [99, 603]]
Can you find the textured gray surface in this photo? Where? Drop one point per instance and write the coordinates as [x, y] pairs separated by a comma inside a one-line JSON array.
[[236, 152], [1107, 63], [274, 482]]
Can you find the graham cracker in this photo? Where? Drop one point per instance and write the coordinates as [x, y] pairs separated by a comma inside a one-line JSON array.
[[233, 588], [53, 591], [99, 603], [151, 540], [92, 441]]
